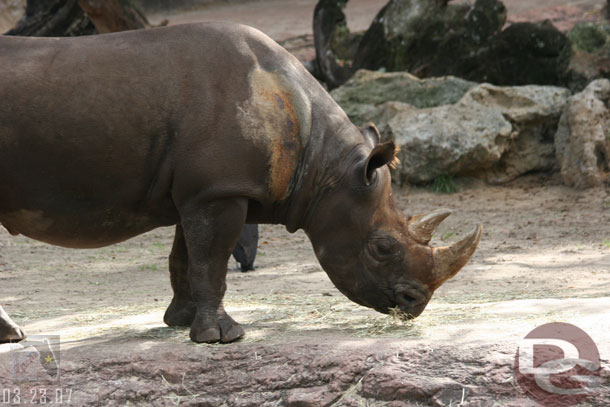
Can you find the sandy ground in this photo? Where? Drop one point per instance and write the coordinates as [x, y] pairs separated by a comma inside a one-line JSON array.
[[282, 19], [544, 257]]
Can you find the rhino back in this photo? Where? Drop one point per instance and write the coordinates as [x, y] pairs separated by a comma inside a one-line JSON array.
[[102, 138]]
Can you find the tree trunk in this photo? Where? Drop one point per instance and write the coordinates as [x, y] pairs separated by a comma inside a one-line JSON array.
[[113, 15], [330, 29], [53, 18], [70, 18]]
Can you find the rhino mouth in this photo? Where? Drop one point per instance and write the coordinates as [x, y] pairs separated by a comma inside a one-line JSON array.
[[408, 299], [411, 299]]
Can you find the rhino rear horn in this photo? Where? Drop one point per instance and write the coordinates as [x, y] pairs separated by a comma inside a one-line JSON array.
[[449, 260], [422, 227]]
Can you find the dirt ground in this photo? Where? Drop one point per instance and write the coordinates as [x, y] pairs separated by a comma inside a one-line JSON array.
[[544, 257]]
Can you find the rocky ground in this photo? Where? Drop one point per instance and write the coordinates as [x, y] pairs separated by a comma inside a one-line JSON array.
[[544, 257]]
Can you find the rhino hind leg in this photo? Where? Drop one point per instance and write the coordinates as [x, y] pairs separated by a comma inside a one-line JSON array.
[[245, 249], [182, 309], [211, 230], [9, 331]]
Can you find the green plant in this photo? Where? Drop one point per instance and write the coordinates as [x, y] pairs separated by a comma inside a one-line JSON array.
[[444, 184], [447, 235], [606, 242]]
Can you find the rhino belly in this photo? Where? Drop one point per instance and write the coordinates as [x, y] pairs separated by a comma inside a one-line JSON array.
[[86, 202], [83, 229]]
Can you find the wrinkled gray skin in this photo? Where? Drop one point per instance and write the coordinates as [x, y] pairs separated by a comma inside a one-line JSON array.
[[204, 127]]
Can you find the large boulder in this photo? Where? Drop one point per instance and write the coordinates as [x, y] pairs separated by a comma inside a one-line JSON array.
[[412, 35], [432, 38], [583, 138], [588, 56], [361, 95], [523, 53], [533, 112], [495, 133], [450, 139]]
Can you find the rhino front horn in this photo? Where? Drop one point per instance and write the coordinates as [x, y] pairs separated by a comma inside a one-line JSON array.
[[422, 227], [449, 260]]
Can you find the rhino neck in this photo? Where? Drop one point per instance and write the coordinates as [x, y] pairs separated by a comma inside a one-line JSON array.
[[323, 164], [297, 208]]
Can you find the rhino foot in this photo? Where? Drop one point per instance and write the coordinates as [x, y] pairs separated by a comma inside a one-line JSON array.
[[246, 268], [11, 334], [9, 331], [223, 330], [180, 314]]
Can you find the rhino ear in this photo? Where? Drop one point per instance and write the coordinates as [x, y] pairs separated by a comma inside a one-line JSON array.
[[381, 155], [371, 134]]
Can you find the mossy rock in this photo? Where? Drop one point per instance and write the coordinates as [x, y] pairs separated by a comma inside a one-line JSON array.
[[368, 89], [428, 37], [588, 55], [593, 38]]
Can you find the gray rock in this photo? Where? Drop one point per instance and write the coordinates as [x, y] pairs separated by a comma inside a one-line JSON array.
[[533, 112], [367, 89], [451, 139], [495, 133], [582, 141]]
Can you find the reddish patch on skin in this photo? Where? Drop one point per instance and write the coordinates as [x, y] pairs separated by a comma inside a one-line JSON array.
[[285, 148]]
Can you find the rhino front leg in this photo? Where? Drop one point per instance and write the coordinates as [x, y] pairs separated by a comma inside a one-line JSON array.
[[181, 311], [211, 231], [9, 331]]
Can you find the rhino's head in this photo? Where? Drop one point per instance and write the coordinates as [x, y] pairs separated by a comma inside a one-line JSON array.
[[373, 253]]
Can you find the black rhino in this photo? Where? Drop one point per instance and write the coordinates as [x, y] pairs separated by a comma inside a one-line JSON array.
[[206, 127]]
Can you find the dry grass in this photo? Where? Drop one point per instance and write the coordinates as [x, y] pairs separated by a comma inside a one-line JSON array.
[[279, 316]]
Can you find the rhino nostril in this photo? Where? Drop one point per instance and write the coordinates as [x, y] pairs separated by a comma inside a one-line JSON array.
[[405, 300], [410, 298]]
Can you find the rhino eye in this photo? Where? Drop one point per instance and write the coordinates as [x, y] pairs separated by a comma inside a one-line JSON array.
[[384, 249]]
